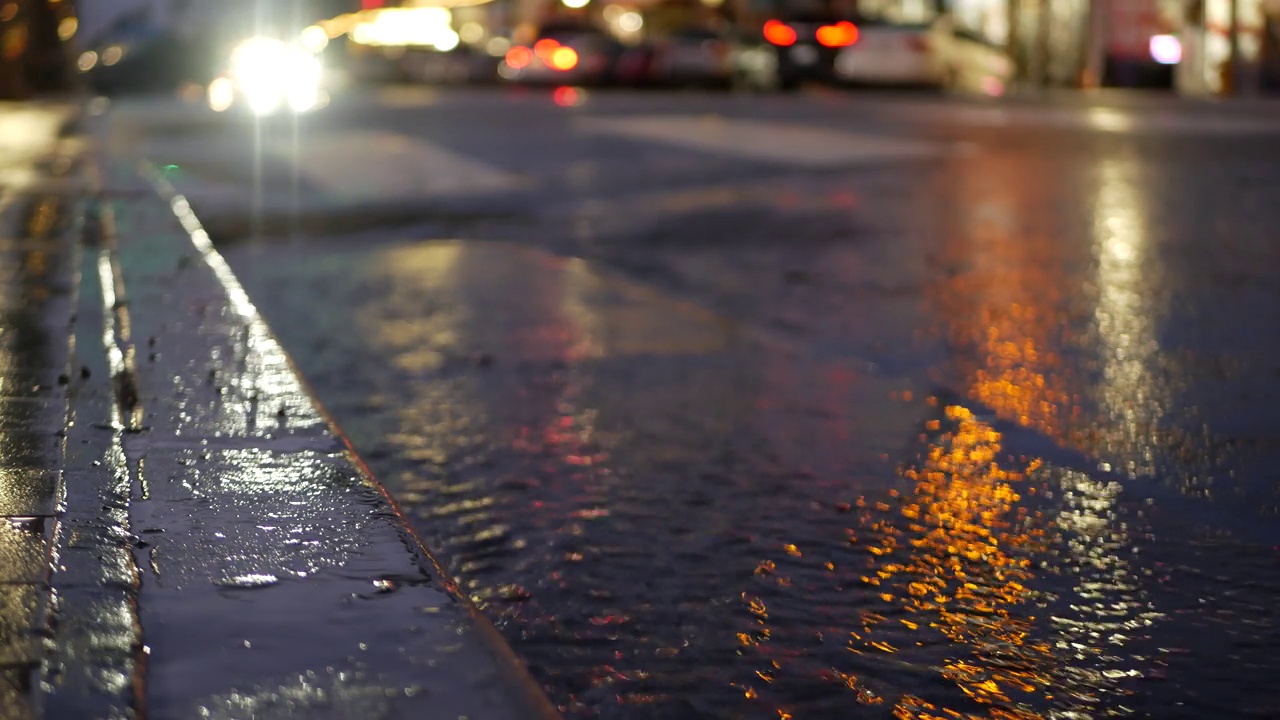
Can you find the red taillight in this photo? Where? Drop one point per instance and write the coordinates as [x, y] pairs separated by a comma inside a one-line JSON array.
[[545, 48], [779, 33], [842, 34], [519, 57]]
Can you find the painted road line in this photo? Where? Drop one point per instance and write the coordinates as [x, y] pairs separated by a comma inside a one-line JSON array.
[[366, 165], [1163, 121], [775, 142]]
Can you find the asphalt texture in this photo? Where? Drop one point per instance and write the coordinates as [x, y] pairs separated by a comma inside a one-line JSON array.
[[826, 405]]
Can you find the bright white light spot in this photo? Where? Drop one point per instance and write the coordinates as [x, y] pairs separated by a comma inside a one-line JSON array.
[[304, 97], [575, 3], [446, 41], [630, 21], [314, 39], [1166, 49], [271, 74], [405, 27], [88, 61], [263, 101], [222, 93]]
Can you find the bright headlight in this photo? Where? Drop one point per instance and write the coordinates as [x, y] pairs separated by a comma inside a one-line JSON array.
[[272, 74]]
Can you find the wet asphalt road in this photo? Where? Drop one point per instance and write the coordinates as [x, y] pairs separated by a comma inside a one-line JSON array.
[[882, 405]]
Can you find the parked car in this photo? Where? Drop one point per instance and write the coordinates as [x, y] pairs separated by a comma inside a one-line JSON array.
[[458, 66], [573, 56], [853, 50], [928, 55], [895, 54], [791, 50], [975, 64], [694, 56]]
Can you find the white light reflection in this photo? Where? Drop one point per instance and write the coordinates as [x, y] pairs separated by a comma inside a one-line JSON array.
[[1130, 395], [1108, 120], [1108, 608]]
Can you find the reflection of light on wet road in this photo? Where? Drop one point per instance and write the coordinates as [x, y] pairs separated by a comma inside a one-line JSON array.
[[1012, 312], [1131, 399], [1108, 607], [1008, 310], [957, 567]]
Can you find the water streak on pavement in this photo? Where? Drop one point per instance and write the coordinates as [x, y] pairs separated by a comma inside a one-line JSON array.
[[983, 453]]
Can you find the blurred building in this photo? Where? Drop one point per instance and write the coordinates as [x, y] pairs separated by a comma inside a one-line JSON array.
[[33, 60]]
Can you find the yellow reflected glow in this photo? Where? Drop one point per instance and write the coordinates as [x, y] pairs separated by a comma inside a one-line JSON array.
[[959, 565], [67, 28]]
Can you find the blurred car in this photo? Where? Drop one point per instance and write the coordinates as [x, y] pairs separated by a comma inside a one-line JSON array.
[[927, 54], [789, 51], [458, 66], [575, 56], [974, 63], [267, 76], [694, 56], [853, 50], [637, 65], [894, 54]]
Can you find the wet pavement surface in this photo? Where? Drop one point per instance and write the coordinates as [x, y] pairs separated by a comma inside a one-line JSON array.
[[921, 411], [34, 307], [182, 531]]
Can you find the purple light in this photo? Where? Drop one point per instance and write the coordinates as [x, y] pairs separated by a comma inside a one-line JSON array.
[[1166, 49]]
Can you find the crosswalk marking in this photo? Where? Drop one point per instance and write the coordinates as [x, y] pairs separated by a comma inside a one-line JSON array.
[[376, 165], [775, 142], [1100, 118]]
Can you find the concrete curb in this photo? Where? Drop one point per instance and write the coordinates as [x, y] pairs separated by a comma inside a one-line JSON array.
[[222, 551]]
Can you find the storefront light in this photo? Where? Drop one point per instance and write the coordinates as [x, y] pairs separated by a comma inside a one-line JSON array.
[[1166, 49]]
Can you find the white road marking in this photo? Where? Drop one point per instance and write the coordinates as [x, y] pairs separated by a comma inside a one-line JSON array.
[[784, 143], [1136, 121], [375, 165]]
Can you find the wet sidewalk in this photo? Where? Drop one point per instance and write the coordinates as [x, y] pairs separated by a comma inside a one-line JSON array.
[[35, 306], [187, 534]]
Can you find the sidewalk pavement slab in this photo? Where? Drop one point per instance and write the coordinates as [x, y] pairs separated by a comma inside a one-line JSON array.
[[183, 531]]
